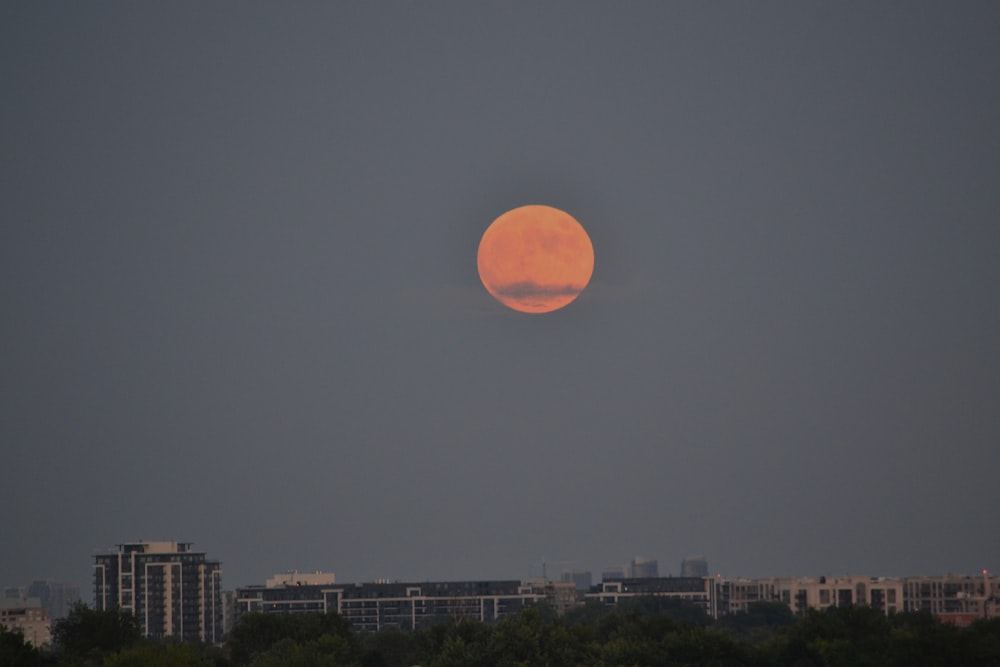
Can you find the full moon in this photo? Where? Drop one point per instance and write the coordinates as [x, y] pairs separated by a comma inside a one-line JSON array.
[[535, 259]]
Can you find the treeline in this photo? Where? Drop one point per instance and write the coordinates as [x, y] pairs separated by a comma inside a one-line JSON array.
[[649, 632]]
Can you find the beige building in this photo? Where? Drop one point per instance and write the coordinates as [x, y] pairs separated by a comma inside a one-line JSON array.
[[28, 616], [802, 593], [296, 578], [955, 598]]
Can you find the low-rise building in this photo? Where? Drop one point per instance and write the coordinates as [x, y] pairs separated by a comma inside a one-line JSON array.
[[803, 593], [377, 606], [708, 593], [27, 616], [958, 599], [296, 578]]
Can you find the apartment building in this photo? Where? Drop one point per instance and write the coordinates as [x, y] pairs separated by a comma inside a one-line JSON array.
[[708, 593], [381, 605], [172, 590], [28, 616]]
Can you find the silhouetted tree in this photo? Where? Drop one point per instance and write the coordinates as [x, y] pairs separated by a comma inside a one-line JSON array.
[[87, 634], [534, 637], [326, 651], [676, 608], [588, 614], [256, 633], [160, 654], [389, 648], [983, 643], [760, 622], [15, 651]]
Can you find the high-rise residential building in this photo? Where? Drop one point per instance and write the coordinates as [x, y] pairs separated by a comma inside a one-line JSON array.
[[172, 590], [694, 566], [57, 598]]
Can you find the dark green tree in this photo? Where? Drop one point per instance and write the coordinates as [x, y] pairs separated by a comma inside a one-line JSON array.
[[982, 640], [256, 633], [535, 637], [676, 608], [325, 651], [15, 651], [159, 654], [918, 638], [87, 634], [588, 614], [759, 623], [389, 648]]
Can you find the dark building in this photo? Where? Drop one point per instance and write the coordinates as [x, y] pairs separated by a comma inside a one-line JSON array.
[[377, 606], [57, 598], [709, 594], [643, 568], [694, 566], [172, 590], [582, 579]]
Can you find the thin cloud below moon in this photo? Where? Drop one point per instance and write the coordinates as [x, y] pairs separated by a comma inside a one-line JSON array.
[[528, 290]]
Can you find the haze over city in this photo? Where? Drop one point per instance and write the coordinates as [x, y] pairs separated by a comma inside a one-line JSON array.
[[239, 302]]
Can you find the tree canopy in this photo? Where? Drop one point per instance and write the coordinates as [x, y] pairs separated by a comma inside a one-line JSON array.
[[649, 633]]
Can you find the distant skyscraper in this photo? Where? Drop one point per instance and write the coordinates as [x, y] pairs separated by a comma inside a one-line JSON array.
[[582, 579], [172, 590], [643, 568], [57, 598], [612, 573], [694, 566]]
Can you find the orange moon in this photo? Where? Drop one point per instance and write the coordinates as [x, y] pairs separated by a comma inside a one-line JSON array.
[[535, 259]]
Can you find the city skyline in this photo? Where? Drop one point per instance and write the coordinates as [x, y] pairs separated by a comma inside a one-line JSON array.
[[240, 306], [553, 571]]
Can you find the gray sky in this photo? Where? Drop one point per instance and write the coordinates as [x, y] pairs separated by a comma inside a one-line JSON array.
[[239, 303]]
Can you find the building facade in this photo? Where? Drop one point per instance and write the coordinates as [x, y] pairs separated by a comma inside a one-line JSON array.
[[958, 599], [954, 598], [28, 616], [296, 578], [803, 593], [694, 566], [58, 598], [643, 568], [172, 590], [582, 579], [406, 606], [709, 594]]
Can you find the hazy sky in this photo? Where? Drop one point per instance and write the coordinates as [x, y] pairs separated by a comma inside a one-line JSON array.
[[240, 304]]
